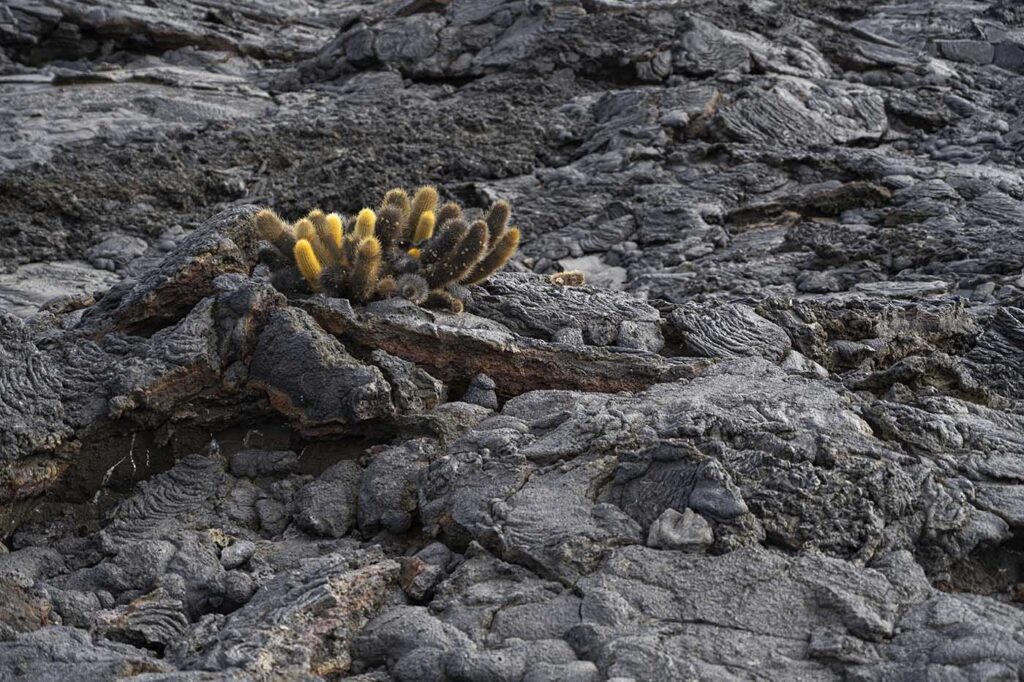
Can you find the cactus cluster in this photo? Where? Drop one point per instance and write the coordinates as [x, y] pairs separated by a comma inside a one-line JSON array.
[[408, 247]]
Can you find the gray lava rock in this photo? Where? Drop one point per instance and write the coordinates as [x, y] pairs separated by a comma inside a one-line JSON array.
[[544, 310], [686, 531], [729, 331], [308, 374], [236, 554], [260, 463], [388, 491], [412, 389], [481, 392], [327, 506], [116, 251], [59, 653], [424, 570], [796, 368]]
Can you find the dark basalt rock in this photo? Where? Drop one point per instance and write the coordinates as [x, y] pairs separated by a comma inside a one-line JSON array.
[[776, 434], [308, 375]]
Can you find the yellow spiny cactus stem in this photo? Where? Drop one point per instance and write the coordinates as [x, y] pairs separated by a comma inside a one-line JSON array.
[[366, 221], [365, 270], [369, 246], [458, 263], [325, 237], [424, 228], [569, 278], [415, 252], [398, 198], [424, 200], [335, 228], [450, 211], [497, 258], [304, 229], [308, 263]]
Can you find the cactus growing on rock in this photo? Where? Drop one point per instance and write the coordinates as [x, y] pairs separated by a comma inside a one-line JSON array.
[[408, 248]]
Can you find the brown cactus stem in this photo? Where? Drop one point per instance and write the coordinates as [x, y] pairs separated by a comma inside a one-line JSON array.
[[276, 231], [438, 299], [348, 250], [458, 263], [496, 259], [365, 272], [399, 199], [568, 278], [332, 279], [450, 211], [412, 287], [497, 221], [444, 242], [389, 227], [386, 287]]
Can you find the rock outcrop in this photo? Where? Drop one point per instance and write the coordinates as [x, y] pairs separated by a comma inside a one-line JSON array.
[[778, 433]]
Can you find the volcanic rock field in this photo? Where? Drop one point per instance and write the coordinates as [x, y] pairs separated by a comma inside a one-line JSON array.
[[778, 434]]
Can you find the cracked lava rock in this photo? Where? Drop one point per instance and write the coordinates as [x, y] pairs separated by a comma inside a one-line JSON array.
[[779, 434]]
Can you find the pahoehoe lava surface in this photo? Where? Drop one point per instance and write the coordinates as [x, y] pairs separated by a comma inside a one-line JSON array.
[[778, 435]]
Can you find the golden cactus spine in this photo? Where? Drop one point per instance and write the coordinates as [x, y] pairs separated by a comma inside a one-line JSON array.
[[366, 221], [328, 234], [304, 229], [318, 218], [309, 264], [424, 200], [424, 227], [335, 228]]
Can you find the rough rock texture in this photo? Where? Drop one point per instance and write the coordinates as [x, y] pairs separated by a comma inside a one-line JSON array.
[[777, 435]]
